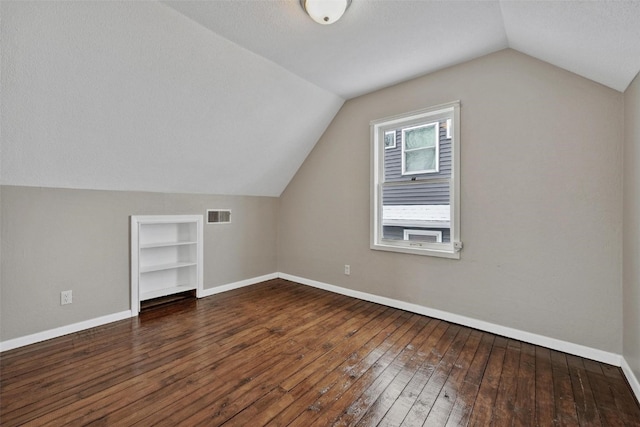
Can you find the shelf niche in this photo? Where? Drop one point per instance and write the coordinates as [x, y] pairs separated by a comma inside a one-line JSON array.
[[166, 256]]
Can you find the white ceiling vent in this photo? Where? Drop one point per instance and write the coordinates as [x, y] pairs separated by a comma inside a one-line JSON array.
[[218, 216]]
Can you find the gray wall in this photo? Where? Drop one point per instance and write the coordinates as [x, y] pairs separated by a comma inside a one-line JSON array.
[[541, 151], [59, 239], [133, 96], [631, 248]]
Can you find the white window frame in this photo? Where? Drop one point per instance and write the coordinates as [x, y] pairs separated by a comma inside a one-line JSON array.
[[436, 127], [394, 139], [433, 233], [378, 127], [448, 135]]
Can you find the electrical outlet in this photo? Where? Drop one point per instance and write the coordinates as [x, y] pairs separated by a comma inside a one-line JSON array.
[[347, 269], [66, 297]]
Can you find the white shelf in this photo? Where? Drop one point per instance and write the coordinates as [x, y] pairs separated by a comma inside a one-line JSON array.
[[165, 291], [160, 267], [165, 244], [166, 256]]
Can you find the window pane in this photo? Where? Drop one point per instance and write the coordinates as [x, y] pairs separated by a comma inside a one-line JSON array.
[[423, 238], [421, 137], [416, 212], [389, 139], [398, 233], [420, 160]]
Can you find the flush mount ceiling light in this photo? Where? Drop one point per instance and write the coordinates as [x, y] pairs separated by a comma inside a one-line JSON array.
[[325, 11]]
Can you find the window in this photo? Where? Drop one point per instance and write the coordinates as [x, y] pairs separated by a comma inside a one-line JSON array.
[[420, 149], [389, 139], [423, 235], [415, 183]]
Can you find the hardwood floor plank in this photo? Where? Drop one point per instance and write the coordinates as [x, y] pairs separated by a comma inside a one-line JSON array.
[[565, 403], [545, 395], [100, 400], [483, 407], [443, 405], [115, 377], [245, 395], [353, 376], [524, 413], [316, 381], [409, 364], [440, 340], [507, 387], [93, 340], [238, 372], [604, 396], [467, 395], [120, 380], [368, 387], [628, 407], [433, 386], [279, 353], [91, 350], [585, 402]]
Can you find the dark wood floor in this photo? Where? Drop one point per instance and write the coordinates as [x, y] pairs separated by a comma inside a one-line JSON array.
[[280, 353]]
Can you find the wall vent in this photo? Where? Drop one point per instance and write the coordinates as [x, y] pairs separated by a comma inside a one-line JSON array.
[[218, 216]]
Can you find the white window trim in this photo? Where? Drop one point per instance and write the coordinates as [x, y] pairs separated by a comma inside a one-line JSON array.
[[437, 149], [394, 139], [409, 231], [378, 127], [448, 135]]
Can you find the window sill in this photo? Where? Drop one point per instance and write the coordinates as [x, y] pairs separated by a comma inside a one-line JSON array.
[[448, 252]]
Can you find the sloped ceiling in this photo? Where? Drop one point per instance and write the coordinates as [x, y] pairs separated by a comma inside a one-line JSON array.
[[379, 43], [229, 96], [135, 96]]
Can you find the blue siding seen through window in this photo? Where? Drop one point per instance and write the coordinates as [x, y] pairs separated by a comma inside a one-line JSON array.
[[423, 193]]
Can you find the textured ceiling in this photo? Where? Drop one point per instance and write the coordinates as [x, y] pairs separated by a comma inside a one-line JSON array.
[[380, 43]]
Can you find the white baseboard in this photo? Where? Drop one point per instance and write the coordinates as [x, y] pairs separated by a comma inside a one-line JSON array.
[[63, 330], [241, 284], [555, 344], [99, 321], [541, 340], [633, 380]]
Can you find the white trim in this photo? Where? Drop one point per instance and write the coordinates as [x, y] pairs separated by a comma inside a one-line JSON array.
[[87, 324], [236, 285], [64, 330], [138, 221], [438, 113], [567, 347], [541, 340], [440, 250], [631, 378]]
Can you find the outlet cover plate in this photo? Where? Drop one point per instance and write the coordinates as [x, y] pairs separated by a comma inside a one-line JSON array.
[[66, 297]]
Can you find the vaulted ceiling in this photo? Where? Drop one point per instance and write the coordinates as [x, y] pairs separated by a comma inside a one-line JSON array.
[[381, 42], [229, 96]]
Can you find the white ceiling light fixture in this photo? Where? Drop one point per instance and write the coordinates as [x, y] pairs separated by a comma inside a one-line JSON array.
[[325, 11]]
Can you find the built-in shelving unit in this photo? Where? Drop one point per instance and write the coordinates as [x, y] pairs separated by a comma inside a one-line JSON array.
[[166, 256]]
